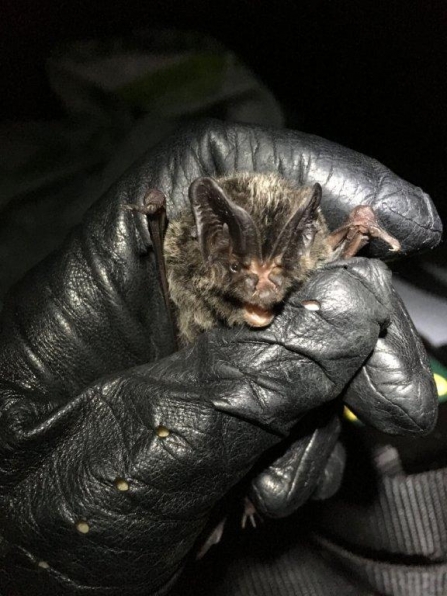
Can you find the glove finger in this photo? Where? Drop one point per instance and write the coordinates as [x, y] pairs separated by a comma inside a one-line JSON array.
[[178, 433], [395, 390], [304, 469], [304, 359], [330, 480]]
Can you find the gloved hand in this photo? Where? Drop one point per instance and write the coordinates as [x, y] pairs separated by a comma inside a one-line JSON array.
[[114, 450]]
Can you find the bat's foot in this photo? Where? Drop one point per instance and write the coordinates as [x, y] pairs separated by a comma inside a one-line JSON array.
[[361, 226], [214, 538], [154, 203], [250, 514]]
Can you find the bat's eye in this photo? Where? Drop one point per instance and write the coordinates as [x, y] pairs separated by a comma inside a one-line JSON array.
[[235, 267]]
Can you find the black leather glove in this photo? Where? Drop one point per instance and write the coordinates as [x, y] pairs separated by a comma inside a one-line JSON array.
[[109, 469]]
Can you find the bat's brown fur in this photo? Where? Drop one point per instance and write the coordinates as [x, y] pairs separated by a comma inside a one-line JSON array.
[[206, 294]]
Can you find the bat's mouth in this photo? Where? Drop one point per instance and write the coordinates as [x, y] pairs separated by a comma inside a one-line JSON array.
[[256, 316]]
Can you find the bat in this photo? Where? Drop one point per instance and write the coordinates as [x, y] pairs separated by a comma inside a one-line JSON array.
[[246, 243]]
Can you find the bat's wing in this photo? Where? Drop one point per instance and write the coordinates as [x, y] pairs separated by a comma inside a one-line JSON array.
[[355, 233], [154, 207]]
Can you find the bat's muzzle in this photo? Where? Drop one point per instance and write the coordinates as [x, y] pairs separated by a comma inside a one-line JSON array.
[[256, 316]]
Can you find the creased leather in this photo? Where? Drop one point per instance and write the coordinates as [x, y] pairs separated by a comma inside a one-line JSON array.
[[88, 375]]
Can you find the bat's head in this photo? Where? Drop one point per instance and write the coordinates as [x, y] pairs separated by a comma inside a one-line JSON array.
[[253, 259]]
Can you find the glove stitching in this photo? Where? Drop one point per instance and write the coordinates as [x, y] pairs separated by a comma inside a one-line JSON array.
[[379, 174], [389, 401], [294, 351], [430, 228]]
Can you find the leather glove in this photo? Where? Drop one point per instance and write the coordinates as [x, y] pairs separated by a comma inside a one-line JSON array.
[[115, 450]]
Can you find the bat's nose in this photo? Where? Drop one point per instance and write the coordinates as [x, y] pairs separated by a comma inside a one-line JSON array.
[[265, 284], [277, 280], [261, 288], [267, 296], [266, 288], [251, 281]]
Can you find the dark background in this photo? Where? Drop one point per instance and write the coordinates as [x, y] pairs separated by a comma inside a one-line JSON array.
[[369, 74]]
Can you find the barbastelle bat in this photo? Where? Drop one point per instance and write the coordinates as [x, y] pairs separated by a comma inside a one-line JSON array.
[[248, 240]]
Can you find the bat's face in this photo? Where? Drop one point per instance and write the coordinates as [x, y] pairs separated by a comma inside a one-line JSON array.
[[252, 266], [254, 285]]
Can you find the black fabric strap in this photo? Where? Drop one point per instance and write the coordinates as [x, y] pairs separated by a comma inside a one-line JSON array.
[[395, 544], [395, 540], [407, 517], [389, 579], [263, 567]]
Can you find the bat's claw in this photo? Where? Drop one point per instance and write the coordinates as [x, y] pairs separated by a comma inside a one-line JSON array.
[[250, 514], [378, 232], [154, 203]]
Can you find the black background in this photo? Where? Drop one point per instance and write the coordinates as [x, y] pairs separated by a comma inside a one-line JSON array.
[[369, 74]]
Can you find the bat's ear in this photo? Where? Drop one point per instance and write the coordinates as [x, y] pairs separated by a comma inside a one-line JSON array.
[[218, 220], [298, 234]]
